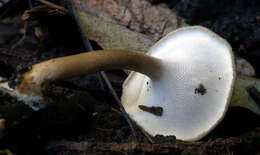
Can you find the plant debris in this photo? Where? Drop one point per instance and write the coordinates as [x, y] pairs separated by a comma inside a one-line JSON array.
[[158, 111]]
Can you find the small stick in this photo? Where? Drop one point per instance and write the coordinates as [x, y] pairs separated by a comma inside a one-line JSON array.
[[104, 130], [116, 111], [122, 109], [144, 132], [111, 89], [53, 5], [147, 136]]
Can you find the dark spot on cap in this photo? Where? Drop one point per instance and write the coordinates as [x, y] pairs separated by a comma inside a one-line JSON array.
[[200, 90], [154, 110]]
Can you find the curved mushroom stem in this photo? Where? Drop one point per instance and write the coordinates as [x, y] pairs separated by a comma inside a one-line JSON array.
[[242, 98], [43, 73]]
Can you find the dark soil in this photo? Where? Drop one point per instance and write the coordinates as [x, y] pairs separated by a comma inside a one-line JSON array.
[[83, 110]]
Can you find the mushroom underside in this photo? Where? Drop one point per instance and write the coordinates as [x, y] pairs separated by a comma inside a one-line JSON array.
[[194, 88]]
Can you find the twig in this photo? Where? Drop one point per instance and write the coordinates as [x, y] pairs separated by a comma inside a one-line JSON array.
[[89, 47], [147, 136], [142, 130], [117, 111], [104, 130], [99, 76], [53, 5], [122, 109]]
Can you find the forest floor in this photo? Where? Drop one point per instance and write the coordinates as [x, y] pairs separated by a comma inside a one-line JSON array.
[[86, 118]]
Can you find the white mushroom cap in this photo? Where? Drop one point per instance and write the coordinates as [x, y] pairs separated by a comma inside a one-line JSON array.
[[193, 91]]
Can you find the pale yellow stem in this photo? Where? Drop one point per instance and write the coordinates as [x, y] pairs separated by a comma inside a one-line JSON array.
[[86, 63]]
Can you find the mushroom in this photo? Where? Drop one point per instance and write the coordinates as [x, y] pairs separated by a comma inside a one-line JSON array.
[[193, 92], [183, 87]]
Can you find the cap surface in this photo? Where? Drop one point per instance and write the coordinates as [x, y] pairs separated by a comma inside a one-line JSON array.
[[193, 91]]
